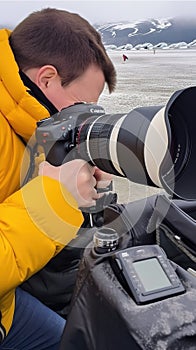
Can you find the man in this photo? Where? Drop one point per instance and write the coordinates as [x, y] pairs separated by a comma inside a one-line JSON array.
[[51, 60]]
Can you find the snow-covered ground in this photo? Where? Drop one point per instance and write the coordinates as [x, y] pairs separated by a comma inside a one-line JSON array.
[[147, 79]]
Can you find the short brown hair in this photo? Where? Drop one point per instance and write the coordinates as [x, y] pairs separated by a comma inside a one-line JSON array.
[[63, 39]]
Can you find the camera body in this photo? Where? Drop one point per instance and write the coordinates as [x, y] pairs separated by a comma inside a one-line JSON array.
[[59, 134]]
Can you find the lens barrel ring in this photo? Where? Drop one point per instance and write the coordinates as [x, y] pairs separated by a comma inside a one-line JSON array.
[[95, 135]]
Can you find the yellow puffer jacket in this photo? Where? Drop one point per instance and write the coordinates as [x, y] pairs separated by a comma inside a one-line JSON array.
[[39, 219]]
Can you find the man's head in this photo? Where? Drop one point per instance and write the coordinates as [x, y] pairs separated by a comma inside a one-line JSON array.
[[64, 55]]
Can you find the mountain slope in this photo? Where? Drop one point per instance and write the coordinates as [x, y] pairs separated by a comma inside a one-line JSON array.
[[154, 32]]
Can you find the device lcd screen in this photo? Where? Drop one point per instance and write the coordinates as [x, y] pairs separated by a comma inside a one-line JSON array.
[[151, 274]]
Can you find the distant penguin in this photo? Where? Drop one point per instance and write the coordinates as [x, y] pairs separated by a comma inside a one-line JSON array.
[[124, 58]]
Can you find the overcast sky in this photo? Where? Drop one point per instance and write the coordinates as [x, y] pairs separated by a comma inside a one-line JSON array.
[[99, 11]]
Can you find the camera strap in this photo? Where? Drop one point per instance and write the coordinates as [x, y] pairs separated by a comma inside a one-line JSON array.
[[35, 91]]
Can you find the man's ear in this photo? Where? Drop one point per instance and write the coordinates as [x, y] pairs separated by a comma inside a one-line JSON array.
[[45, 76]]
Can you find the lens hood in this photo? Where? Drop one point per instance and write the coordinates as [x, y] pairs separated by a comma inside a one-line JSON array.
[[170, 145]]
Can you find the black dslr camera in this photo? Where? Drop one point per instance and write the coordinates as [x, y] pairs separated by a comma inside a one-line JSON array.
[[154, 145], [63, 132], [63, 137]]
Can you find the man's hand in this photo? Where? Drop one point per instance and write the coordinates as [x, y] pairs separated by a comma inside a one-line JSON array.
[[103, 179], [79, 178]]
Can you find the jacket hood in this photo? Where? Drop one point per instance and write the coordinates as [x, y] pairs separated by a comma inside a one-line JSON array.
[[20, 108]]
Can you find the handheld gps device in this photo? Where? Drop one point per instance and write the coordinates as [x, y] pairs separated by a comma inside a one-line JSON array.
[[146, 273]]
